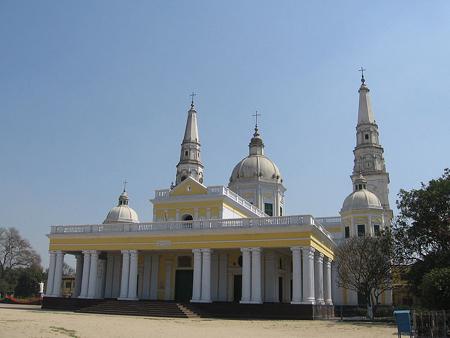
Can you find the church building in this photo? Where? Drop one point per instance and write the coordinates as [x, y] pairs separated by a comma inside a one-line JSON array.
[[229, 243]]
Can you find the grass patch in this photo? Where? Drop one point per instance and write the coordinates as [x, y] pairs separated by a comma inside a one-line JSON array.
[[70, 333]]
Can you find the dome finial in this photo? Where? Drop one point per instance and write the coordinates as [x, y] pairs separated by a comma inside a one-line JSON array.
[[256, 123], [192, 99], [362, 70], [125, 182]]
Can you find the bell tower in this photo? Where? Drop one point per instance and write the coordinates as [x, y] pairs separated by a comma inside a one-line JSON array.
[[190, 164], [369, 159]]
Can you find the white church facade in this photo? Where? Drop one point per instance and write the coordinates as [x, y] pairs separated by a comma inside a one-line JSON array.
[[226, 243]]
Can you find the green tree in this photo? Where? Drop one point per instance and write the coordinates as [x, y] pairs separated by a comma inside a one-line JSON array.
[[16, 254], [422, 229], [435, 289], [364, 265]]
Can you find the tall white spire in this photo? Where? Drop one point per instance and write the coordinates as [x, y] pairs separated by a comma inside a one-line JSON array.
[[190, 164], [365, 113], [369, 159]]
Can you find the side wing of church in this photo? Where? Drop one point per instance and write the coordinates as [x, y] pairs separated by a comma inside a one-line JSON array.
[[226, 243]]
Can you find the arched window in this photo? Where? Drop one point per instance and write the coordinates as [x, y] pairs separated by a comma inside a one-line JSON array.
[[187, 217]]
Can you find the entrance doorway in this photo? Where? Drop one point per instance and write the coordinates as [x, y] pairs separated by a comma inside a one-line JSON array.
[[237, 288], [280, 289], [183, 285]]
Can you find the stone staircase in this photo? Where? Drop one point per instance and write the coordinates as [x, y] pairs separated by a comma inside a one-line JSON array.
[[140, 308]]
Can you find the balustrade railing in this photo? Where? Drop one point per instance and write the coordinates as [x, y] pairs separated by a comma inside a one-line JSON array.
[[219, 190], [300, 220]]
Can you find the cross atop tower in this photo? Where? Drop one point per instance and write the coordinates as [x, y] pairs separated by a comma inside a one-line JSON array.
[[125, 182], [362, 70], [192, 99], [256, 119]]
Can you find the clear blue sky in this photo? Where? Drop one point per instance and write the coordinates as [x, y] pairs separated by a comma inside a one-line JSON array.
[[92, 92]]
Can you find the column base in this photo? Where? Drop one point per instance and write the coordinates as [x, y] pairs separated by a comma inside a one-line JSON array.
[[201, 301], [309, 301], [329, 303], [320, 302], [50, 296], [297, 302], [245, 302], [255, 302], [126, 298]]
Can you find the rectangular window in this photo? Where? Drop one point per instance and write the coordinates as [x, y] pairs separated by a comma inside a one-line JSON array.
[[268, 209], [347, 232], [376, 230], [361, 230], [68, 285]]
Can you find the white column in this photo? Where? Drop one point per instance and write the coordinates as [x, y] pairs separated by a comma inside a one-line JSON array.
[[92, 289], [318, 276], [132, 281], [206, 276], [223, 270], [58, 274], [246, 275], [154, 278], [117, 275], [271, 278], [214, 276], [78, 275], [146, 275], [125, 274], [85, 277], [296, 276], [197, 279], [109, 275], [168, 284], [51, 273], [308, 276], [327, 281], [256, 276]]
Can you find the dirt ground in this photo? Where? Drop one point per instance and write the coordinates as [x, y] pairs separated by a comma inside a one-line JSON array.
[[30, 321]]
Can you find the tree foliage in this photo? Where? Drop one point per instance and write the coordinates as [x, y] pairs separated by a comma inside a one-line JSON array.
[[422, 231], [16, 257], [364, 265], [422, 227], [435, 288]]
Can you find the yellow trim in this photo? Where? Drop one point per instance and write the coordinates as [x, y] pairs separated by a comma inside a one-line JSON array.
[[189, 187], [253, 238]]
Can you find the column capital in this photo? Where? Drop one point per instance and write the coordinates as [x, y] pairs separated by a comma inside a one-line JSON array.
[[52, 252], [127, 252], [133, 252], [296, 249], [86, 252], [256, 249], [308, 250], [206, 250], [94, 253], [59, 252], [196, 250], [245, 249], [319, 257]]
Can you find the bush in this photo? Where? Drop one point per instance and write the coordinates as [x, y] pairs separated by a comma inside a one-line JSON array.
[[435, 288]]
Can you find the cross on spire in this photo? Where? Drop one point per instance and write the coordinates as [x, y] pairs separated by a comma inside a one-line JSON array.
[[125, 182], [362, 70], [192, 99], [256, 119]]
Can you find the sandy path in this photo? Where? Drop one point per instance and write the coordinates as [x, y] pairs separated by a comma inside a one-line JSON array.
[[16, 322]]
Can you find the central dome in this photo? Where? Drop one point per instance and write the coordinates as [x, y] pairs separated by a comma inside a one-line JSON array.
[[122, 213], [256, 166]]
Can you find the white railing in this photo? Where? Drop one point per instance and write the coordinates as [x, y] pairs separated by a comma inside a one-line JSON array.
[[301, 220], [219, 190], [328, 220]]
